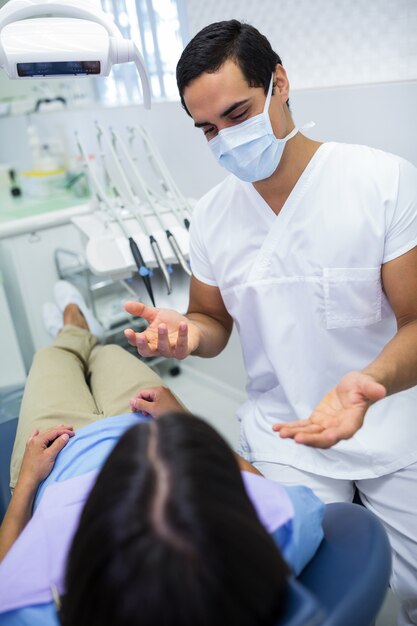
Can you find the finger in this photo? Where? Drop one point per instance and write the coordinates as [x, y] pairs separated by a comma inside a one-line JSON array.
[[58, 428], [288, 432], [53, 433], [141, 310], [181, 349], [130, 336], [325, 439], [146, 394], [135, 339], [278, 426], [164, 348], [56, 447], [329, 436], [139, 341], [145, 347], [144, 406]]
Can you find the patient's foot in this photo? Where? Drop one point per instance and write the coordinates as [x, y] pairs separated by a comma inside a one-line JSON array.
[[72, 315], [66, 293], [52, 318]]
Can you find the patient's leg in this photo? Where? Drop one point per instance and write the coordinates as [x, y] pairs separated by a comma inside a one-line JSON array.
[[116, 376], [56, 390]]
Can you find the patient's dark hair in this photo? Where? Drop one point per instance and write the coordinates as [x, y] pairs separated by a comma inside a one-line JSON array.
[[168, 536], [217, 43]]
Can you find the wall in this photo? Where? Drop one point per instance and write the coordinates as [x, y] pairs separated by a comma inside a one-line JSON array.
[[380, 115], [326, 43], [180, 143]]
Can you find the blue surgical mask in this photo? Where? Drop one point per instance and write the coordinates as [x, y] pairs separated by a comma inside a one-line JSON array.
[[250, 149]]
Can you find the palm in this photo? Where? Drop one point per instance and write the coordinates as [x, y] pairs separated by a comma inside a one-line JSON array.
[[171, 319], [338, 415], [339, 411], [168, 333]]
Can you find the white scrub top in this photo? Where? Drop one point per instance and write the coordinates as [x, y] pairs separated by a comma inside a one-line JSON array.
[[304, 290]]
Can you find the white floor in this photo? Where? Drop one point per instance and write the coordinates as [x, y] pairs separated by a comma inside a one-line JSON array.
[[217, 403]]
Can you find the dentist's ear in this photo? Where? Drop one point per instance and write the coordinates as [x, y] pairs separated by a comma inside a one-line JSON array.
[[281, 83]]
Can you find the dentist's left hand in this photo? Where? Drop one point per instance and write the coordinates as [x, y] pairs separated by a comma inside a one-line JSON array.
[[339, 415]]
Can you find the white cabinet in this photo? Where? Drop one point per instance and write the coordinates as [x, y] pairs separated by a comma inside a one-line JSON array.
[[12, 371], [27, 262]]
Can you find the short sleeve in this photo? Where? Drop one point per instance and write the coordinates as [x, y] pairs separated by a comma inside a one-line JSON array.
[[39, 615], [307, 527], [200, 264], [401, 233]]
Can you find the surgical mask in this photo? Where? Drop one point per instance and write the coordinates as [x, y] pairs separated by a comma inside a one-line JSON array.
[[250, 149]]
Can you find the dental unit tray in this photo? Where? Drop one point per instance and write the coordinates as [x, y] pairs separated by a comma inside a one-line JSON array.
[[107, 250], [115, 220]]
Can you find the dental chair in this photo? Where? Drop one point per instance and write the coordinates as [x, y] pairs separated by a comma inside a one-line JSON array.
[[346, 581], [10, 400]]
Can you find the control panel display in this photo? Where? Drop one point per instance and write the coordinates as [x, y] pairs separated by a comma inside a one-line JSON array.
[[58, 68]]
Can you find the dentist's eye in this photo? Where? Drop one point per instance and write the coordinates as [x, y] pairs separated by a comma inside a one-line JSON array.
[[210, 132], [239, 116]]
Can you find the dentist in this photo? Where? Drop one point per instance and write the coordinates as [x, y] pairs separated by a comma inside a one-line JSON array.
[[310, 250]]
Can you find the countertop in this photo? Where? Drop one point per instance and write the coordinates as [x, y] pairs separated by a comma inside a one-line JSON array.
[[25, 214]]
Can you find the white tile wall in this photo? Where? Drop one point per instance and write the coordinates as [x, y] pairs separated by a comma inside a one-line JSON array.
[[328, 42]]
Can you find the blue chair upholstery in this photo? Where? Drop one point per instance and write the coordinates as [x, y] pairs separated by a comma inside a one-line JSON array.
[[348, 577], [7, 435], [10, 401]]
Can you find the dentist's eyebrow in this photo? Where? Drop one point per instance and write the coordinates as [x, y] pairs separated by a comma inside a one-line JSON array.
[[225, 113]]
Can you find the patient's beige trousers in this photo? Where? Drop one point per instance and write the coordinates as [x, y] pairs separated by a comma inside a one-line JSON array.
[[76, 382]]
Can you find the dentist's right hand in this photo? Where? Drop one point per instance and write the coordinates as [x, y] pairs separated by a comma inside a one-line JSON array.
[[168, 334]]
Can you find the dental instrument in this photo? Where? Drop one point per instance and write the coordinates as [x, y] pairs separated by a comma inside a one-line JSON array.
[[129, 200], [79, 39], [166, 180], [138, 183], [103, 199]]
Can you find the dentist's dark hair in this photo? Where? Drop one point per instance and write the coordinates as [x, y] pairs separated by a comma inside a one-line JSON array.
[[169, 537], [217, 43]]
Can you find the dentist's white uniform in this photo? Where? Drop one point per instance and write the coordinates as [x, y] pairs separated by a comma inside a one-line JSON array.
[[304, 290]]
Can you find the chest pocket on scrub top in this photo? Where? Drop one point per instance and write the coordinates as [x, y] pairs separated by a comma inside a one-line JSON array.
[[352, 296]]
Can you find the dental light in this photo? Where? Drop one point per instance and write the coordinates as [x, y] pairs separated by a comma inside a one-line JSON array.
[[75, 39]]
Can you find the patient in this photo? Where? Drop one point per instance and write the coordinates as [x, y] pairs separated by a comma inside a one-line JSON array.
[[139, 518]]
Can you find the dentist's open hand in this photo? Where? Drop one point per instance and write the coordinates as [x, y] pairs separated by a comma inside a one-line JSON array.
[[338, 416], [169, 333]]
